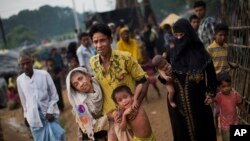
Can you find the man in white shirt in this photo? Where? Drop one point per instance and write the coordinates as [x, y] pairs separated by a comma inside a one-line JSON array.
[[84, 51], [39, 98]]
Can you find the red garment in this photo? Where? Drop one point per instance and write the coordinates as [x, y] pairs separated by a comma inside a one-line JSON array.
[[227, 109], [12, 96]]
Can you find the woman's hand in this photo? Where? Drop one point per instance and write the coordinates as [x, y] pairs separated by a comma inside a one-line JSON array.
[[208, 100]]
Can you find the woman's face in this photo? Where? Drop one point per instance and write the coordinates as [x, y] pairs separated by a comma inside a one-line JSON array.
[[178, 35], [81, 82], [125, 36]]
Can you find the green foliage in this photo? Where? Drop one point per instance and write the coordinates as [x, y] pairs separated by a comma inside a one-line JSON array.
[[19, 35], [46, 22]]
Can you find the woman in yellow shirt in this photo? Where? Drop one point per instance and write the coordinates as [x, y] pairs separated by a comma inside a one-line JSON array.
[[126, 43]]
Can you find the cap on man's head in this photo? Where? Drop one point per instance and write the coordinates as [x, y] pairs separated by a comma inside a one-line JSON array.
[[111, 25]]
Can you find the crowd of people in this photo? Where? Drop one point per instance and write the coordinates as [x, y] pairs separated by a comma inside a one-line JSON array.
[[108, 74]]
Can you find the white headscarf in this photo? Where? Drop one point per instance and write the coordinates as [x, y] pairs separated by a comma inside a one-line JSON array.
[[93, 103]]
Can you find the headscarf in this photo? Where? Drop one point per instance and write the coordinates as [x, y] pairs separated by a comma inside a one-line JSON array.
[[189, 55], [85, 104], [94, 101], [131, 46]]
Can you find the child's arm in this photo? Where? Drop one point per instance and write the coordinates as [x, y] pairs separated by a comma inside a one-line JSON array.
[[163, 74], [123, 124], [239, 101], [111, 114]]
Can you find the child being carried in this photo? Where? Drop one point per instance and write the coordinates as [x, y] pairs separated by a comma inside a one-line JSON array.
[[162, 65]]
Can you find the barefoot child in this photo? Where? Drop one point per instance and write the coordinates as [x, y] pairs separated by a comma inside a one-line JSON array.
[[140, 125], [161, 63], [227, 99]]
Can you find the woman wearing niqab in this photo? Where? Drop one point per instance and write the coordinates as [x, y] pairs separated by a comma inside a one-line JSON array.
[[194, 81]]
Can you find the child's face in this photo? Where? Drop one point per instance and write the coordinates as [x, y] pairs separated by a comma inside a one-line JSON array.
[[123, 99], [73, 63], [195, 23], [81, 82], [221, 37], [225, 87]]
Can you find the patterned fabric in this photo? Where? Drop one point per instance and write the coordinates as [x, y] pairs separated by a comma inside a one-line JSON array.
[[227, 107], [150, 138], [188, 117], [206, 30], [123, 70], [219, 56]]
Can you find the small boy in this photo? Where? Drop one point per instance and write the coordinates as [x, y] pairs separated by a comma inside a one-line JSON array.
[[194, 21], [161, 63], [140, 125], [226, 100], [72, 62], [218, 50]]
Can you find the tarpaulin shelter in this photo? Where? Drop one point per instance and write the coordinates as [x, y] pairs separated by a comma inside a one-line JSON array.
[[130, 16], [170, 19]]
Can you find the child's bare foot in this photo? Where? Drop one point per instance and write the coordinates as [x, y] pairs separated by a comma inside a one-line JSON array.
[[171, 102]]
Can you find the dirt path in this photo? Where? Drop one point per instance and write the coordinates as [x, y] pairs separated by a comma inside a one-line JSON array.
[[156, 109]]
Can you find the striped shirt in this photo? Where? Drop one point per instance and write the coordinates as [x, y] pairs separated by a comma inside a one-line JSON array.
[[219, 55]]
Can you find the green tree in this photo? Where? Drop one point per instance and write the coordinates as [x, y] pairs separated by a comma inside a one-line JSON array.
[[19, 35], [47, 21]]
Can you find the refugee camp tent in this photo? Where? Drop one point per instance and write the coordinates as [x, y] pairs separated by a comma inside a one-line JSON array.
[[170, 19]]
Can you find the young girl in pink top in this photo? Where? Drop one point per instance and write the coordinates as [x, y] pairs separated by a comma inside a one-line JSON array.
[[227, 99]]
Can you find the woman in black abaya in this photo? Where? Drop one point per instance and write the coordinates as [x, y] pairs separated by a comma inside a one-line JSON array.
[[194, 81]]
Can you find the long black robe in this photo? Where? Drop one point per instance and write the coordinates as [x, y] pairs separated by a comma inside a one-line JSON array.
[[192, 120], [194, 77]]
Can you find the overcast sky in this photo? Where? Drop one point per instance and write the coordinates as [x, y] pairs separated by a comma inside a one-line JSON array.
[[12, 7]]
